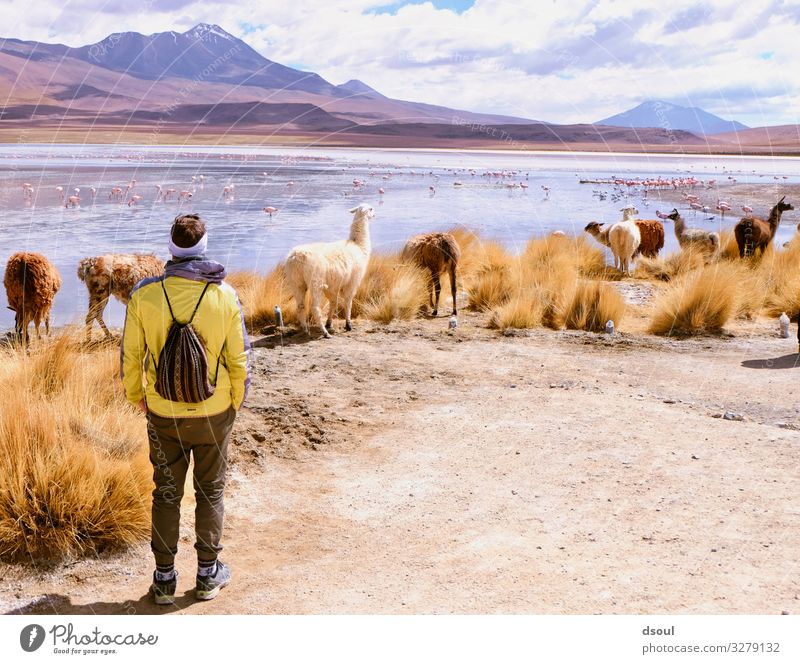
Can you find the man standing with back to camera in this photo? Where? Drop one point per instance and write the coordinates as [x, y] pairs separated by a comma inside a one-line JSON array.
[[190, 294]]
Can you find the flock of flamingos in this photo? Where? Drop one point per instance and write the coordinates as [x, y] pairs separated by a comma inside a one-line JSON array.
[[130, 195]]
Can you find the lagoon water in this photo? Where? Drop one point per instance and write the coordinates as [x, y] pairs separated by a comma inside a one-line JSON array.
[[314, 207]]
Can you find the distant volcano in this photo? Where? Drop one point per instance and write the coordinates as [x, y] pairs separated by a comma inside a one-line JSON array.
[[664, 115]]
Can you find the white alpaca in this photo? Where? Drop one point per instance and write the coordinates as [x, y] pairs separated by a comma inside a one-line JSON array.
[[624, 238], [332, 269]]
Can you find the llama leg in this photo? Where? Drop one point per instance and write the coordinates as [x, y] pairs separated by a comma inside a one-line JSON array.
[[299, 294], [453, 288], [100, 320], [333, 305], [437, 289], [97, 304], [348, 324], [316, 311]]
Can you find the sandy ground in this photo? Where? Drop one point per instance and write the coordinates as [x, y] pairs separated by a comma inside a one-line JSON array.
[[411, 469]]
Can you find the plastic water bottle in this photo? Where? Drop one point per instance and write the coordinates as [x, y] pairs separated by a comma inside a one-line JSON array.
[[610, 327], [452, 323], [278, 316], [784, 320]]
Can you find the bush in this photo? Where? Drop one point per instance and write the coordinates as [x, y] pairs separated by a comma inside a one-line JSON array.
[[76, 477]]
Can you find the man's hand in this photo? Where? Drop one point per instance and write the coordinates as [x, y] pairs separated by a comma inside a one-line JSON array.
[[143, 406]]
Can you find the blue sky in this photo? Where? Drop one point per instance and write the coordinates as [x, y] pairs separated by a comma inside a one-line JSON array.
[[559, 61]]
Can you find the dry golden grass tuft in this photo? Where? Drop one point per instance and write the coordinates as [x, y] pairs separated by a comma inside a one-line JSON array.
[[535, 288], [487, 272], [728, 249], [675, 265], [534, 306], [391, 290], [587, 260], [77, 477], [592, 305], [260, 293], [779, 276], [697, 303]]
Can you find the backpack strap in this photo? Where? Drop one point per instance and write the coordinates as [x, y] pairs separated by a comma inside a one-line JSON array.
[[196, 307], [163, 288]]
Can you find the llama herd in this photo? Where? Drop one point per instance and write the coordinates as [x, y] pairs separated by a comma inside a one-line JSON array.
[[333, 271], [630, 237], [329, 270]]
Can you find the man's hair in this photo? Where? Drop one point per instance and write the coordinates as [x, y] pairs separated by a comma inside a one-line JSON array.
[[187, 229]]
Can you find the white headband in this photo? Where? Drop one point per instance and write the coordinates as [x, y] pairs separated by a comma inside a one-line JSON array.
[[183, 252]]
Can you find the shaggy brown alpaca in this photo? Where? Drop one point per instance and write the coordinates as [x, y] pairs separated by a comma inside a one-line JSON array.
[[753, 233], [114, 274], [652, 232], [31, 283], [437, 253]]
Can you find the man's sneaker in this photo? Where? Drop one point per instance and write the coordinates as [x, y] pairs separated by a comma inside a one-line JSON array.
[[208, 587], [164, 591]]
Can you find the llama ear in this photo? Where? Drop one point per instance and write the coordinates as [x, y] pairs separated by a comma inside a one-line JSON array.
[[353, 210], [781, 201]]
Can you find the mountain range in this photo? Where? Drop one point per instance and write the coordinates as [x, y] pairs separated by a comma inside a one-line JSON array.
[[207, 80], [128, 71]]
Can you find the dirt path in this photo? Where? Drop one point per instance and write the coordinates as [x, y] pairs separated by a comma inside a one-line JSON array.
[[414, 470]]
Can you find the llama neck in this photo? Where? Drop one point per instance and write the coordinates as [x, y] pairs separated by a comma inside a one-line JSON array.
[[774, 220], [359, 234], [679, 227]]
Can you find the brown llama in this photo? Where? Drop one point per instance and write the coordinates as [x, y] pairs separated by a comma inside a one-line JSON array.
[[753, 233], [114, 274], [652, 232], [437, 253], [31, 283]]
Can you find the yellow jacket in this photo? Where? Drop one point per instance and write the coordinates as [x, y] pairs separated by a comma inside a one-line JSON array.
[[220, 323]]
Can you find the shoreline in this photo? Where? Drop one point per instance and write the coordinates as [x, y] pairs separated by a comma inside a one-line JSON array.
[[308, 141]]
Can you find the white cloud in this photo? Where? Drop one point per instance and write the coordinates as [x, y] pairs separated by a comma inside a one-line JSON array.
[[557, 61]]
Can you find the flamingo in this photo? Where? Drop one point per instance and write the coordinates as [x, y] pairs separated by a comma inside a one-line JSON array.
[[73, 201], [134, 200], [227, 191], [523, 185], [432, 189], [381, 191], [94, 191], [270, 210], [60, 191], [77, 191], [169, 193], [746, 209], [185, 195], [723, 206], [116, 192], [546, 191]]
